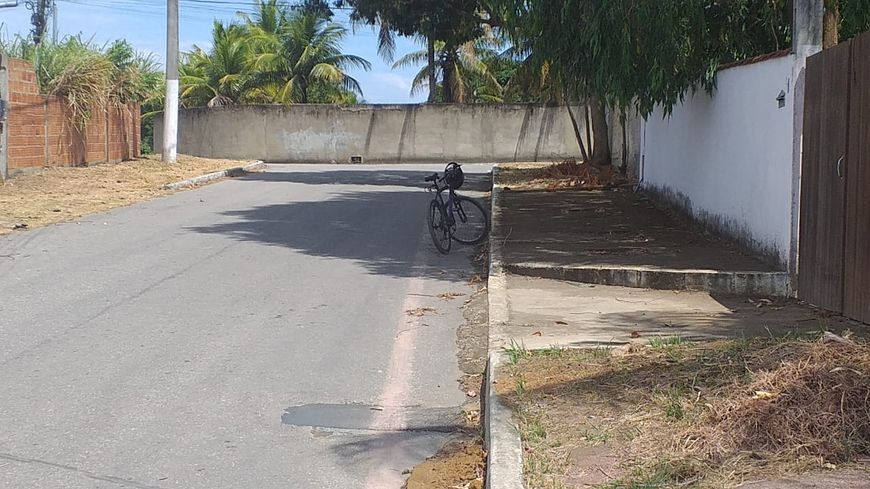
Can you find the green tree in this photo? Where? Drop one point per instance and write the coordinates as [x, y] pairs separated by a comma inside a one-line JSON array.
[[451, 22], [304, 53], [468, 69], [844, 19], [219, 76], [277, 54], [319, 7], [639, 54], [269, 18]]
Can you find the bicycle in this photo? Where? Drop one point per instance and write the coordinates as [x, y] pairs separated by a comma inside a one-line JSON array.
[[472, 224]]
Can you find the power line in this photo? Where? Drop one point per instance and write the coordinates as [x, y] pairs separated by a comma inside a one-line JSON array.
[[198, 10], [217, 6]]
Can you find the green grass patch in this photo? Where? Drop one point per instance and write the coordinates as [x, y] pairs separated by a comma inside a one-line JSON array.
[[515, 351], [667, 341], [659, 475]]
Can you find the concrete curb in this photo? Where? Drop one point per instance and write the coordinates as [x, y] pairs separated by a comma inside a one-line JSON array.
[[504, 463], [497, 281], [770, 284], [210, 177], [504, 448]]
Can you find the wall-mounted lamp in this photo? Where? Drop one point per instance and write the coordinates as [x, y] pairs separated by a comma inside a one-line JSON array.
[[780, 99]]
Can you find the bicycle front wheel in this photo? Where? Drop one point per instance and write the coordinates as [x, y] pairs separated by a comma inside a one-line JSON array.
[[438, 227], [472, 222]]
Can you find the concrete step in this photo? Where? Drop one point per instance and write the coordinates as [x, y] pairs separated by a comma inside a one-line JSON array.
[[748, 283]]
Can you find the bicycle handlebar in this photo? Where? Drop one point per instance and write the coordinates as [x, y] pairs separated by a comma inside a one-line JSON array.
[[432, 178]]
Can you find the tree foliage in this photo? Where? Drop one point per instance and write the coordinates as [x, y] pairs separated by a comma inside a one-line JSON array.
[[453, 22], [854, 17], [473, 76], [641, 53], [278, 54]]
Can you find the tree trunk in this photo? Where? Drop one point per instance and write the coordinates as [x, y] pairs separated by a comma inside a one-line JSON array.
[[831, 31], [447, 77], [583, 154], [588, 127], [600, 136], [430, 57], [622, 121], [303, 89]]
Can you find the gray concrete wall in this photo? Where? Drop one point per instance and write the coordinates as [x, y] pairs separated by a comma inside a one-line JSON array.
[[379, 133]]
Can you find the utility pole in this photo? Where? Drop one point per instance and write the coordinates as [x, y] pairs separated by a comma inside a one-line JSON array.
[[170, 109], [54, 21], [41, 10]]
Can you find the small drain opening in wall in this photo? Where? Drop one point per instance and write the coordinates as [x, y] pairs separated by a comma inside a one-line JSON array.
[[356, 159]]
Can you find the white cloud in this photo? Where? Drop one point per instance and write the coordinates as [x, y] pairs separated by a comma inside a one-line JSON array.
[[391, 80]]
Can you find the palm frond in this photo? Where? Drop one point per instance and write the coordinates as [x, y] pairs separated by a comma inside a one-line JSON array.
[[414, 58], [386, 41]]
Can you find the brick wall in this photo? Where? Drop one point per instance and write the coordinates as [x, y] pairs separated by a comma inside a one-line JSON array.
[[40, 134]]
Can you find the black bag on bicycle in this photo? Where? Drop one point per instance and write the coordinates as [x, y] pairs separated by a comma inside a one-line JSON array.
[[453, 175]]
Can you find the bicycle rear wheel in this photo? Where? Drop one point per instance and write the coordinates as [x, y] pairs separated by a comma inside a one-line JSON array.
[[472, 222], [438, 227]]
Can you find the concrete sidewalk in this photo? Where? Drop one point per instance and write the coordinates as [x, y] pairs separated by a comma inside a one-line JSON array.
[[545, 312], [621, 238], [540, 236], [617, 236]]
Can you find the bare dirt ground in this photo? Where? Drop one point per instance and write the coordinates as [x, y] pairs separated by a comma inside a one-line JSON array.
[[460, 464], [54, 195], [678, 414]]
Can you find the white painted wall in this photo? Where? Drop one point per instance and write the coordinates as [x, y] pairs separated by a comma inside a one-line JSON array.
[[727, 159]]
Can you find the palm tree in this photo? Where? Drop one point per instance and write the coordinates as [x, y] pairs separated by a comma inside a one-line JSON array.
[[463, 74], [303, 52], [219, 76], [268, 18]]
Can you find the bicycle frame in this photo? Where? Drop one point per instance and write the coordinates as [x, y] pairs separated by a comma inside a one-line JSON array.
[[449, 205]]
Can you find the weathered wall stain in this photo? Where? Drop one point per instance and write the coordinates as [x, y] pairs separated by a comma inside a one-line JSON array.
[[379, 133], [717, 224]]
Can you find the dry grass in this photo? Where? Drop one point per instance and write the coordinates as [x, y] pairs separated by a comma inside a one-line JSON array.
[[54, 195], [691, 415], [561, 175], [815, 403]]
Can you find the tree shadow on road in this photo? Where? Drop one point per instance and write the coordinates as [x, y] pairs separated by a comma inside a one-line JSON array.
[[401, 450], [383, 231], [474, 181]]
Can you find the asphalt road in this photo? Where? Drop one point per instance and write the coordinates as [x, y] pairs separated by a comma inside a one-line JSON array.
[[248, 334]]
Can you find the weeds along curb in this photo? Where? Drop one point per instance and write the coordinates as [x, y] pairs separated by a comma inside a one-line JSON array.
[[210, 177], [504, 461]]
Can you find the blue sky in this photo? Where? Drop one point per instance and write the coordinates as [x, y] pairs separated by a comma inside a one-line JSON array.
[[142, 22]]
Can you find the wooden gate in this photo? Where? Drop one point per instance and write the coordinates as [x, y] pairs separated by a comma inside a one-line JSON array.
[[834, 260], [856, 290]]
